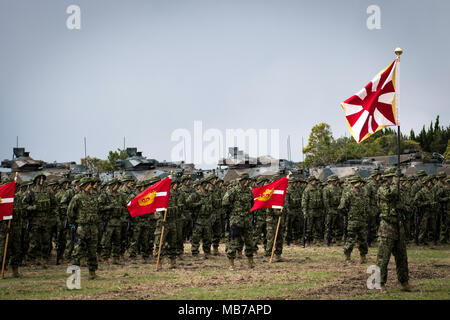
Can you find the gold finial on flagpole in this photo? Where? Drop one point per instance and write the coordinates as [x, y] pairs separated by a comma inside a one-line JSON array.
[[398, 51]]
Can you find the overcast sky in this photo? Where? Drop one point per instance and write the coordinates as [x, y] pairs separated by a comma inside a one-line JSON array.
[[142, 69]]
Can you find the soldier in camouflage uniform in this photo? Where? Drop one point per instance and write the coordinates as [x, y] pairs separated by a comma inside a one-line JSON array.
[[83, 218], [272, 217], [415, 188], [260, 231], [111, 208], [312, 207], [353, 203], [391, 232], [425, 202], [39, 201], [371, 189], [331, 199], [62, 198], [127, 193], [202, 203], [13, 254], [169, 242], [53, 216], [238, 199], [70, 243], [217, 215], [184, 192]]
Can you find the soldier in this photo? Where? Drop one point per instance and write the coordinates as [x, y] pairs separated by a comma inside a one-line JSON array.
[[441, 198], [141, 232], [272, 217], [83, 218], [331, 198], [371, 189], [353, 204], [290, 213], [201, 201], [184, 192], [391, 233], [169, 241], [312, 207], [110, 203], [260, 230], [70, 243], [239, 201], [127, 193], [62, 199], [39, 201], [53, 216], [425, 202], [217, 214]]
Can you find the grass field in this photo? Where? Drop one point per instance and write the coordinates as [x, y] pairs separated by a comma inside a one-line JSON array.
[[306, 273]]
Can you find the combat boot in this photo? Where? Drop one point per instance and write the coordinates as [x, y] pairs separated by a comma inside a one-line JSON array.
[[363, 259], [173, 263], [83, 262], [251, 264], [44, 263], [16, 274], [278, 258], [231, 263], [145, 260], [116, 261], [406, 287], [383, 288], [206, 256], [239, 254], [347, 256], [215, 251]]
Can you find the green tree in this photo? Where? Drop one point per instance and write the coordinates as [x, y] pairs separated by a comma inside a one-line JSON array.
[[447, 152], [321, 146]]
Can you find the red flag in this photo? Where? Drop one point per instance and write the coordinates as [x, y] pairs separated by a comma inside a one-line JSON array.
[[154, 198], [271, 195], [373, 107], [7, 192]]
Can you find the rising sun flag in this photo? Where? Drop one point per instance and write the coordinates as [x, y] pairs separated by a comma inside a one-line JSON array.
[[375, 106]]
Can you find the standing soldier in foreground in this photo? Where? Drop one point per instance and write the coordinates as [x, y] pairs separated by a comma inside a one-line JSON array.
[[83, 216], [260, 232], [392, 233], [38, 201], [239, 200], [424, 201], [353, 203], [371, 189]]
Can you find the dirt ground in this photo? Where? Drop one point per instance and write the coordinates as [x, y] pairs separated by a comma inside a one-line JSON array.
[[316, 272]]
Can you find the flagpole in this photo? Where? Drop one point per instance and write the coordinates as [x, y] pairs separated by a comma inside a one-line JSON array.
[[398, 51], [161, 240], [6, 243]]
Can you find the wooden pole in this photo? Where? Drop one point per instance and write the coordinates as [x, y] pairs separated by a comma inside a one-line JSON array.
[[161, 240], [276, 235], [4, 253]]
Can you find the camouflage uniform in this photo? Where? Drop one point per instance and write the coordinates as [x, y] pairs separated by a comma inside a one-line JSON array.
[[62, 199], [371, 189], [217, 216], [353, 203], [391, 233], [331, 199], [425, 203], [38, 201], [441, 197], [239, 201], [111, 210], [312, 207], [53, 216], [202, 204], [83, 217], [260, 230]]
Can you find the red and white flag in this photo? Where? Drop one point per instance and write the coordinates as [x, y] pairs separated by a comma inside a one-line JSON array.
[[271, 195], [374, 107], [154, 198], [7, 192]]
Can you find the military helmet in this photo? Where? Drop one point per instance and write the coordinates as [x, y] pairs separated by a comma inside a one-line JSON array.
[[243, 177], [333, 177], [441, 175], [127, 178], [354, 179], [84, 181], [421, 173], [63, 180], [185, 177], [52, 183], [40, 174], [312, 178], [113, 181], [374, 173]]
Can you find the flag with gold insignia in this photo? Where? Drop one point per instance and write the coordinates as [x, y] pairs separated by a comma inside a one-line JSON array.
[[154, 198]]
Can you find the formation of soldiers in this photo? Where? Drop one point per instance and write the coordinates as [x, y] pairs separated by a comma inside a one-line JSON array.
[[87, 221]]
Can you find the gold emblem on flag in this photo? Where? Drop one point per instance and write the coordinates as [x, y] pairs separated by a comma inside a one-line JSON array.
[[148, 199], [0, 199], [266, 195]]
